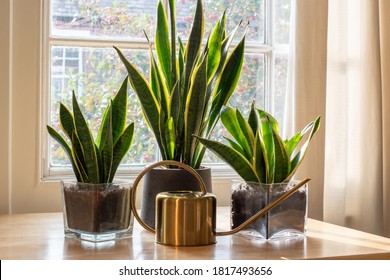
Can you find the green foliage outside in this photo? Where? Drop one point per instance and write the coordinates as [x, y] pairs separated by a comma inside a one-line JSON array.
[[101, 71]]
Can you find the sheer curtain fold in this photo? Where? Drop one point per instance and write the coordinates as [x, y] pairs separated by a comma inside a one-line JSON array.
[[307, 91], [342, 71], [384, 33], [357, 137]]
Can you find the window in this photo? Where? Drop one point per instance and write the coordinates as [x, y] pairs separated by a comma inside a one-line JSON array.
[[80, 36]]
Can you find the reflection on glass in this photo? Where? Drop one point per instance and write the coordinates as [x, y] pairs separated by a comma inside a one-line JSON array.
[[282, 12], [95, 77], [103, 19], [251, 11]]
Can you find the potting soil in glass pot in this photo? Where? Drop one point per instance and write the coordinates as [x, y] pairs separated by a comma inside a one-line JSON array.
[[97, 212], [288, 219]]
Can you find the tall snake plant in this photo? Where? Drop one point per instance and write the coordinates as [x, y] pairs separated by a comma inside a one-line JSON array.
[[257, 152], [96, 161], [188, 84]]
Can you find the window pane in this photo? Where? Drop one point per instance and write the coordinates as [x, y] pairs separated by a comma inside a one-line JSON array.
[[251, 84], [236, 11], [250, 87], [124, 19], [282, 21], [95, 74], [96, 79], [280, 86]]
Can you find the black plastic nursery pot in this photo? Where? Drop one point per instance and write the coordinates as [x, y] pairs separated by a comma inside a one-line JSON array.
[[160, 179]]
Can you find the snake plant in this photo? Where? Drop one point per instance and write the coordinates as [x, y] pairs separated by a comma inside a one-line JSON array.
[[96, 161], [188, 84], [257, 152]]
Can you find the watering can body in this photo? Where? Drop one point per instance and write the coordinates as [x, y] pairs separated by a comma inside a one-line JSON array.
[[185, 218]]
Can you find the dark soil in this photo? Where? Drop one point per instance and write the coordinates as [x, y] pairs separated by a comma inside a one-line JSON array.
[[246, 202]]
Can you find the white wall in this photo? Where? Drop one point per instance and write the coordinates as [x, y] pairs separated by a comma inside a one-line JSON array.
[[21, 188]]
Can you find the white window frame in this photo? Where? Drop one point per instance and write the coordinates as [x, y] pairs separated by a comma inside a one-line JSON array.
[[221, 172]]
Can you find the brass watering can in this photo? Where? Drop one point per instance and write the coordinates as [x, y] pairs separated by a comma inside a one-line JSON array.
[[187, 218]]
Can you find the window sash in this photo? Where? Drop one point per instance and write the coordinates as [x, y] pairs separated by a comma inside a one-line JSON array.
[[268, 49]]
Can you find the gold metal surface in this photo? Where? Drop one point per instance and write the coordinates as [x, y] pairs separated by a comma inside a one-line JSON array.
[[185, 218]]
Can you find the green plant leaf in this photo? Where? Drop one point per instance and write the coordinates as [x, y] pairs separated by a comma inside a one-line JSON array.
[[78, 158], [119, 110], [270, 119], [66, 120], [214, 46], [86, 141], [246, 132], [159, 86], [181, 61], [252, 119], [106, 149], [172, 13], [121, 148], [237, 161], [174, 104], [164, 150], [101, 133], [170, 136], [260, 161], [227, 82], [183, 68], [119, 114], [194, 109], [163, 47], [229, 118], [298, 158], [193, 46], [226, 42], [292, 143], [269, 146], [150, 106], [57, 137], [100, 164], [234, 145], [282, 160]]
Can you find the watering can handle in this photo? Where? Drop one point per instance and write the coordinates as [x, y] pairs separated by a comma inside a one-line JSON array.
[[139, 177], [204, 192]]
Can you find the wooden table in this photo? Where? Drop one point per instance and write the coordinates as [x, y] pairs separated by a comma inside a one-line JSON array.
[[40, 237]]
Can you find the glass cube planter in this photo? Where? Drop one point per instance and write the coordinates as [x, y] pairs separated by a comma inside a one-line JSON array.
[[97, 212], [287, 219]]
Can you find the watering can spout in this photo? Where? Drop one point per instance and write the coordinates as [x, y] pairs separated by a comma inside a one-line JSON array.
[[186, 218]]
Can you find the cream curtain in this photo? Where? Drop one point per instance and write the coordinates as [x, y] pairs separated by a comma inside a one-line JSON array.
[[341, 67], [307, 91], [357, 174]]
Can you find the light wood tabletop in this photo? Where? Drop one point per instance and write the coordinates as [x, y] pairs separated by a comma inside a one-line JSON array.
[[40, 237]]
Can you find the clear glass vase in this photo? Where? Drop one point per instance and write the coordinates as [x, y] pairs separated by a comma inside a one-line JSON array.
[[97, 212], [287, 219]]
